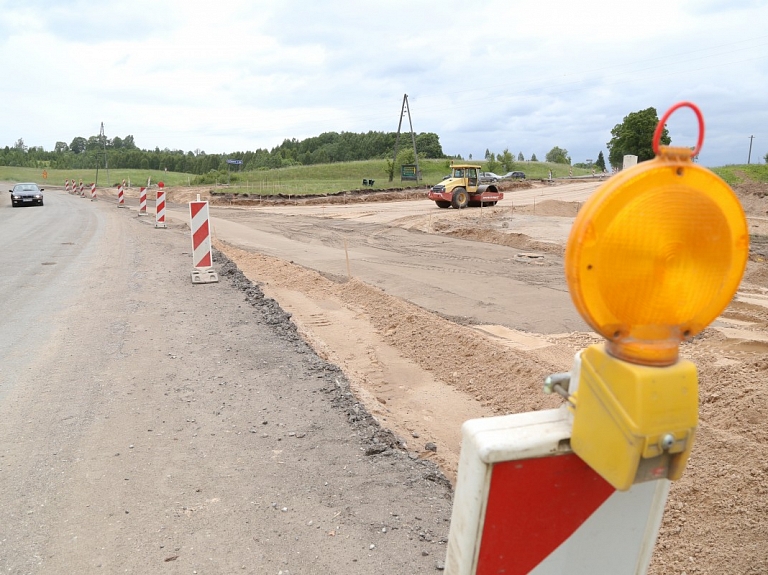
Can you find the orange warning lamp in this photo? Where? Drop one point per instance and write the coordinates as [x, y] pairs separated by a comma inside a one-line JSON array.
[[653, 257], [657, 253]]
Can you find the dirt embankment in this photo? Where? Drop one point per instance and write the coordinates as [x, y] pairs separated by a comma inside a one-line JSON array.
[[222, 197], [714, 522], [715, 518]]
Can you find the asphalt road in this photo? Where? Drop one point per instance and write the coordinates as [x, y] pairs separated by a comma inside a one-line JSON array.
[[45, 261], [151, 425]]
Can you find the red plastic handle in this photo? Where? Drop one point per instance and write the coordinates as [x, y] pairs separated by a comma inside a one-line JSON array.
[[665, 117]]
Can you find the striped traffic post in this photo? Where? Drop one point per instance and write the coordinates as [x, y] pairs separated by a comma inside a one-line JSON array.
[[160, 208], [143, 201], [202, 260], [93, 191], [525, 503], [66, 186], [120, 198]]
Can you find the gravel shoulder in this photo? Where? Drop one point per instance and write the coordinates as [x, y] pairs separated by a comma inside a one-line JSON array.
[[165, 426]]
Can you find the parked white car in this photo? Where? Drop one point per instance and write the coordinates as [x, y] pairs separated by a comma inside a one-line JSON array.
[[489, 177]]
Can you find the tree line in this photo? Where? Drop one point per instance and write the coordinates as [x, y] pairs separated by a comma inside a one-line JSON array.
[[330, 147], [632, 136]]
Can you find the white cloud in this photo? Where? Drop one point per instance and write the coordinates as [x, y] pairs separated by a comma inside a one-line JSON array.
[[237, 74]]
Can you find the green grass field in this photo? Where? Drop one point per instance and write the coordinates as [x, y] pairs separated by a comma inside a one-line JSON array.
[[58, 177], [319, 179], [735, 174], [325, 178]]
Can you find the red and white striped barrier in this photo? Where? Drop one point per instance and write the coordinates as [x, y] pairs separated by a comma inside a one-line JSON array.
[[202, 260], [66, 186], [143, 202], [160, 209], [120, 198], [93, 192], [525, 503]]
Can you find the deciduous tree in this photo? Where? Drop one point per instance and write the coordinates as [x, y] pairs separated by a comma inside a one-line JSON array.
[[506, 159], [558, 156], [429, 145], [78, 145], [634, 136]]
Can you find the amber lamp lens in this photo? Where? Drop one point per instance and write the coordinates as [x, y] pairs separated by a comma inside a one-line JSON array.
[[654, 256]]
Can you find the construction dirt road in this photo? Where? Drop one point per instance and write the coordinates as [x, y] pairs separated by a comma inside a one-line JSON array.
[[437, 316], [442, 315]]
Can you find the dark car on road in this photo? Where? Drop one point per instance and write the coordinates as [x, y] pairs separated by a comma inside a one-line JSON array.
[[25, 194], [517, 175]]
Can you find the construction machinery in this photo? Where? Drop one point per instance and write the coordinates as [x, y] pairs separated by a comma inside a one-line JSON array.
[[463, 188]]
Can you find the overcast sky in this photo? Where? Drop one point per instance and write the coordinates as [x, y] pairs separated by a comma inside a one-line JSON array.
[[233, 75]]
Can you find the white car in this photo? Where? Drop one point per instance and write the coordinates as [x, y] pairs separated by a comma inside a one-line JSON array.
[[489, 177]]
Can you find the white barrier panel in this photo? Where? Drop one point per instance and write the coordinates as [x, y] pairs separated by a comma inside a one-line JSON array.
[[160, 209], [143, 202], [202, 260], [525, 503], [629, 161]]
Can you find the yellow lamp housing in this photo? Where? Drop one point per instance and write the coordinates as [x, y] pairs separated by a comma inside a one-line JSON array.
[[654, 256], [632, 422]]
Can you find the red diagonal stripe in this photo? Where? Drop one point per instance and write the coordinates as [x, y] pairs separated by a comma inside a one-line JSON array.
[[205, 262], [200, 235], [195, 207], [533, 506]]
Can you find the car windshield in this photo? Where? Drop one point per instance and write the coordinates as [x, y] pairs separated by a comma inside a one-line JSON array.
[[25, 188]]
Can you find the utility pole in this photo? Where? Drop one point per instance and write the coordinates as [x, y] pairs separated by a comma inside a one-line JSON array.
[[749, 157], [103, 140], [405, 108]]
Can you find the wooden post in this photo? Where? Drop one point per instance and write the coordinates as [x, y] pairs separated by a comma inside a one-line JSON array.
[[346, 253]]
